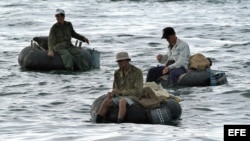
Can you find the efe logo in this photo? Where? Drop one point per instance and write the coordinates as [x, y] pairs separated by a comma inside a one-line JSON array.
[[236, 132]]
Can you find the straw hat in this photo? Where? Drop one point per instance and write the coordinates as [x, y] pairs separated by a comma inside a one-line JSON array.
[[122, 56]]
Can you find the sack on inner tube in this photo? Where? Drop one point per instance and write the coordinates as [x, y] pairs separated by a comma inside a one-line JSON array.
[[198, 74], [163, 107], [198, 62], [153, 95]]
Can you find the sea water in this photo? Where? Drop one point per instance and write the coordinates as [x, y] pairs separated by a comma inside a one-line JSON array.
[[55, 106]]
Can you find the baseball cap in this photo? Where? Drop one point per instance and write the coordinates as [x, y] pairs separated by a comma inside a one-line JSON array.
[[167, 31], [59, 11]]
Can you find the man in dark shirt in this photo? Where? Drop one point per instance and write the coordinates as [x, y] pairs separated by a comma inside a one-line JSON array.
[[60, 42]]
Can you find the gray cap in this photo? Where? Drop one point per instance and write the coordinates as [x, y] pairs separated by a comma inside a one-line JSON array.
[[122, 56]]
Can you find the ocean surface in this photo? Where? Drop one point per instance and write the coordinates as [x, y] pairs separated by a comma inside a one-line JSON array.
[[55, 106]]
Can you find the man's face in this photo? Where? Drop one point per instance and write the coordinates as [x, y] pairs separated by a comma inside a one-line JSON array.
[[171, 39], [122, 63], [59, 18]]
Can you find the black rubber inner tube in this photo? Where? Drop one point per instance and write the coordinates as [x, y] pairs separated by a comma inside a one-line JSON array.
[[138, 114]]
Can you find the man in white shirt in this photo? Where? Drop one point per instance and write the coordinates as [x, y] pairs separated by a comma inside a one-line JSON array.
[[176, 60]]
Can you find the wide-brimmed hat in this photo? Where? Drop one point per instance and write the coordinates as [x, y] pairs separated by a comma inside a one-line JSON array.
[[167, 31], [122, 56], [59, 11]]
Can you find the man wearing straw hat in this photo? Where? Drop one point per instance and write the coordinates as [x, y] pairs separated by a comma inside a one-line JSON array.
[[127, 86]]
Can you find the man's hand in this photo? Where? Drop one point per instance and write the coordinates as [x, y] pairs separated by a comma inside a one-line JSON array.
[[110, 94], [50, 53], [85, 40], [165, 70], [159, 57], [117, 91]]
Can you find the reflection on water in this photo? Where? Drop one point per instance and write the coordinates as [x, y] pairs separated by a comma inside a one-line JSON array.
[[55, 105]]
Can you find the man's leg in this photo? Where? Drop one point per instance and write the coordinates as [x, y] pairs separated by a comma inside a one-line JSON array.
[[107, 102], [67, 58], [79, 58], [154, 73], [123, 102], [122, 110], [174, 74]]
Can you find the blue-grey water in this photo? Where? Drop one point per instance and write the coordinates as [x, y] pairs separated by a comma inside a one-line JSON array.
[[55, 106]]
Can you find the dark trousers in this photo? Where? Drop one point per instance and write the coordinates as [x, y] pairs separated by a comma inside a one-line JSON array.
[[156, 72], [73, 55]]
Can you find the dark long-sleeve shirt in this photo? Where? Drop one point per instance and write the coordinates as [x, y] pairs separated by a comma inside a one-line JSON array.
[[60, 36]]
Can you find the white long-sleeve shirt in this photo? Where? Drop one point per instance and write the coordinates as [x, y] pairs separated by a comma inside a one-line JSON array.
[[180, 53]]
